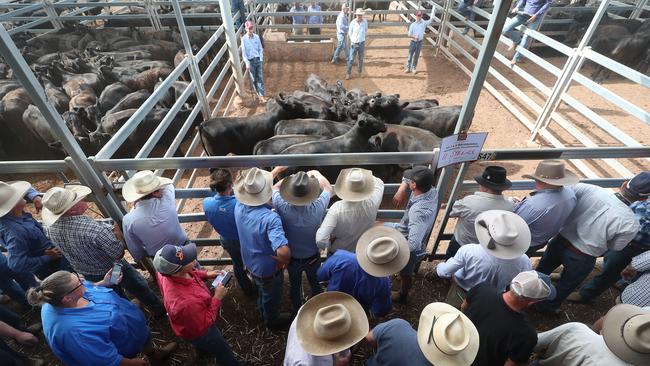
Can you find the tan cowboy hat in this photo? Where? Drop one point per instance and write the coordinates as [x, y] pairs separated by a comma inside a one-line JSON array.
[[330, 322], [355, 184], [300, 189], [10, 194], [553, 172], [253, 187], [503, 234], [382, 251], [446, 336], [141, 184], [58, 201], [360, 11], [626, 331]]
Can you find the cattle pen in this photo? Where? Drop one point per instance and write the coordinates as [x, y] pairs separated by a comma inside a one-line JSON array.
[[545, 108]]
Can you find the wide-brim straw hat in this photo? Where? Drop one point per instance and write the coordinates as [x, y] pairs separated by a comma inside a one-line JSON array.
[[355, 184], [58, 200], [141, 184], [553, 172], [503, 234], [626, 331], [10, 194], [382, 251], [253, 187], [330, 322], [300, 189], [360, 11], [446, 336]]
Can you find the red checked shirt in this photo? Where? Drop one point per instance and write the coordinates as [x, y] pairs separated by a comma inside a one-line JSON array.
[[191, 308]]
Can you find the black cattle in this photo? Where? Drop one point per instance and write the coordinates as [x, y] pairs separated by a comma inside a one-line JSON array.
[[399, 138], [317, 86], [631, 51], [238, 135], [582, 20], [422, 104], [276, 144], [112, 95], [6, 86], [130, 101], [311, 126], [305, 105], [377, 5], [604, 43]]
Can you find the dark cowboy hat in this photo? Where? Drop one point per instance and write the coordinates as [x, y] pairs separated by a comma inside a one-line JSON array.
[[300, 189], [494, 177]]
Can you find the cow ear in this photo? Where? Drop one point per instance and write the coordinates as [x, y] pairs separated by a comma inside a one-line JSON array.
[[397, 96], [362, 123], [404, 104]]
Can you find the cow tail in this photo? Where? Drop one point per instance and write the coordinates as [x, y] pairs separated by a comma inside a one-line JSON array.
[[200, 130]]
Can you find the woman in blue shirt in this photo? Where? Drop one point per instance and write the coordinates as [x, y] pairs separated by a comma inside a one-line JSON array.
[[89, 324]]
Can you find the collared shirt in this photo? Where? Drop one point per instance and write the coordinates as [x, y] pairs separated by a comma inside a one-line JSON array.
[[251, 48], [260, 235], [25, 241], [190, 306], [300, 223], [534, 7], [397, 344], [295, 355], [89, 246], [342, 23], [472, 265], [599, 222], [103, 332], [344, 274], [314, 19], [574, 344], [546, 211], [417, 28], [346, 221], [418, 219], [153, 223], [468, 208], [297, 19], [220, 212], [638, 292], [641, 210], [358, 31]]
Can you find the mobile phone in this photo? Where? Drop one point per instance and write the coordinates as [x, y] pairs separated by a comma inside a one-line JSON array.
[[222, 279], [115, 274]]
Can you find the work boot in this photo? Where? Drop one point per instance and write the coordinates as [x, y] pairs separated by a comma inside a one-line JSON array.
[[348, 77], [413, 71], [555, 276], [407, 70], [398, 297], [576, 297], [512, 47], [334, 62], [282, 322], [159, 354]]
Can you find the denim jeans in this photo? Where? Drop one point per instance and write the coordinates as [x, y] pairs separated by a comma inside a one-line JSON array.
[[510, 31], [234, 250], [613, 263], [359, 49], [341, 45], [255, 73], [466, 8], [576, 268], [213, 343], [238, 5], [414, 55], [452, 248], [270, 294], [8, 286], [296, 268], [27, 279]]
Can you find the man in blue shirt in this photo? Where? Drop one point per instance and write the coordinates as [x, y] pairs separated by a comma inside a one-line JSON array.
[[466, 8], [220, 212], [31, 253], [416, 34], [530, 13], [264, 245], [314, 19], [297, 19], [238, 5], [253, 55], [301, 205], [342, 26]]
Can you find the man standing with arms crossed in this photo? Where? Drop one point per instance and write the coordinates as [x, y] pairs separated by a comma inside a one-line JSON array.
[[357, 32], [342, 26], [416, 34]]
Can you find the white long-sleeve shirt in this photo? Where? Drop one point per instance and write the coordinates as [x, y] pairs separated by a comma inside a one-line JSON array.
[[358, 31], [417, 28]]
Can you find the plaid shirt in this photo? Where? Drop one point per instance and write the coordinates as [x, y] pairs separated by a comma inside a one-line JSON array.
[[89, 246], [638, 292], [642, 212]]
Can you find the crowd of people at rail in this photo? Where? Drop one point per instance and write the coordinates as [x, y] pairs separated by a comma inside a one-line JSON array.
[[66, 265]]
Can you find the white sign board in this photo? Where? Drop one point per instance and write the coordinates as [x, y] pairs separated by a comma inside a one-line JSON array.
[[454, 150]]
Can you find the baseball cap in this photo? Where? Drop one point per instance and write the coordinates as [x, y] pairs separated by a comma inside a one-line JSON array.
[[171, 258], [421, 175], [533, 285], [639, 186]]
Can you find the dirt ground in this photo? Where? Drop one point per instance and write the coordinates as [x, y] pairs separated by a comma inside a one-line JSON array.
[[437, 78]]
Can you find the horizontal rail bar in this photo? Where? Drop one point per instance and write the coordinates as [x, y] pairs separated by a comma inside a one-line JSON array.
[[209, 43], [33, 166]]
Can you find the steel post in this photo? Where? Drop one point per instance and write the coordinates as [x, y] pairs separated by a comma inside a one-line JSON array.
[[195, 73], [564, 81], [153, 14], [233, 48], [443, 24], [638, 9], [52, 14], [450, 205]]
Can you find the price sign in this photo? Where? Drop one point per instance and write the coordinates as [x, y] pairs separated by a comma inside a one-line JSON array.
[[454, 150]]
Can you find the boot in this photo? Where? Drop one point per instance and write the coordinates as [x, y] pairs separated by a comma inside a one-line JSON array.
[[159, 354], [282, 322], [398, 297]]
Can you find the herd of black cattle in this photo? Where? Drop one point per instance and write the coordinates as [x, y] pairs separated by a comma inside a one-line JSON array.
[[97, 78]]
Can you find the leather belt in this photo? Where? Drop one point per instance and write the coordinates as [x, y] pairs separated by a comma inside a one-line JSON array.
[[572, 248]]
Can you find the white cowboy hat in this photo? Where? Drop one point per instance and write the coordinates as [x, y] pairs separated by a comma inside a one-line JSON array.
[[299, 189], [626, 331], [10, 194], [58, 201], [553, 172], [382, 251], [330, 322], [360, 11], [141, 184], [253, 187], [503, 234], [446, 336], [355, 184]]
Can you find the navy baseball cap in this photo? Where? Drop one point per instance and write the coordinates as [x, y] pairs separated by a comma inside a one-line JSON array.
[[421, 175], [172, 258], [639, 186]]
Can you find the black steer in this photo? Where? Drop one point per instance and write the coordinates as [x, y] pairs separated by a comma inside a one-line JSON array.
[[276, 144], [312, 126]]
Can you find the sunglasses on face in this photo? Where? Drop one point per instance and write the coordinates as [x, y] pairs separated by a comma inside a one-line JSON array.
[[80, 278]]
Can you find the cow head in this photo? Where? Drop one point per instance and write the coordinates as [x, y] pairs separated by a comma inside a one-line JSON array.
[[369, 125], [291, 106]]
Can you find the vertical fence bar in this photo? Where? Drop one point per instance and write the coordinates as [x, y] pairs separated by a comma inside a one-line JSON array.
[[638, 9], [153, 14], [52, 14], [231, 41], [443, 24], [450, 205]]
